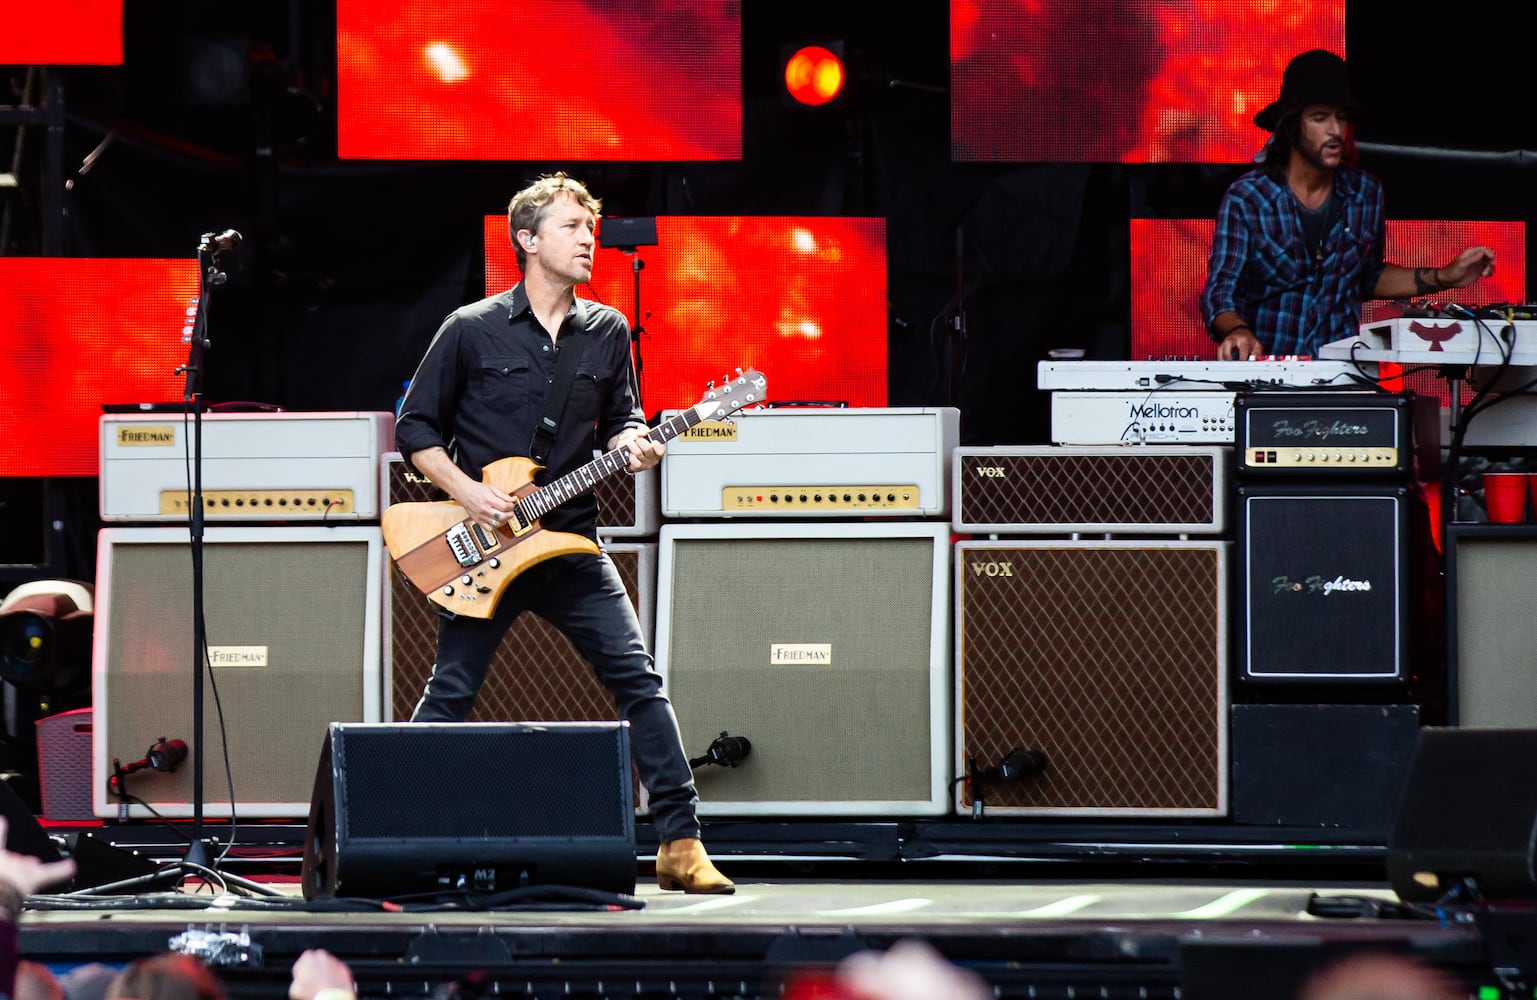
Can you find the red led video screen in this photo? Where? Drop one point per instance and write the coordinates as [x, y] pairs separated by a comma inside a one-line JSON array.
[[1112, 81], [803, 300], [1168, 271], [62, 33], [518, 80], [77, 333]]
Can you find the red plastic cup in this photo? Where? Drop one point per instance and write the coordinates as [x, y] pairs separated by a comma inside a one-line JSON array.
[[1505, 497]]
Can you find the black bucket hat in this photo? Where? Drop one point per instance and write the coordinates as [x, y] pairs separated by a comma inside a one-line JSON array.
[[1315, 77]]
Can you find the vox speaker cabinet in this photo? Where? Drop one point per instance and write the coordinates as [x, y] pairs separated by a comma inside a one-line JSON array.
[[1055, 489], [1334, 435], [814, 463], [1322, 583], [825, 646], [1490, 627], [423, 808], [293, 628], [627, 505], [535, 674], [1108, 660]]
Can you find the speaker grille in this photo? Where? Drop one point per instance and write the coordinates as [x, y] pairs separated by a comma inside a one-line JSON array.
[[307, 598], [536, 672], [1052, 488], [1110, 659], [850, 726], [527, 781], [1490, 572]]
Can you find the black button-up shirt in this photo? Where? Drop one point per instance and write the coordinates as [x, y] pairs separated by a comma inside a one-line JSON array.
[[480, 392]]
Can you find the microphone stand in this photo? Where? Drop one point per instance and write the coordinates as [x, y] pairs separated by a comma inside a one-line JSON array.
[[636, 329], [209, 278]]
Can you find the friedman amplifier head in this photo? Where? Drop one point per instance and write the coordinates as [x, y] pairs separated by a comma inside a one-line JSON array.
[[814, 463]]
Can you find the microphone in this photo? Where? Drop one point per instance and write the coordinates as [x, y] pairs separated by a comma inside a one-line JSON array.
[[727, 751], [220, 242], [166, 755], [1016, 764]]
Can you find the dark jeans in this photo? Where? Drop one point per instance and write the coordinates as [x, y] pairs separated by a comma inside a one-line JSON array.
[[583, 596]]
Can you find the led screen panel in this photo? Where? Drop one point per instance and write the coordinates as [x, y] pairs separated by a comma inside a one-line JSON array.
[[554, 80], [77, 333], [62, 33], [1112, 81], [803, 300], [1168, 271]]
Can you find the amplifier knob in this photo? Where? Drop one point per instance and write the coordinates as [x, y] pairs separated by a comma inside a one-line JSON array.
[[1350, 456]]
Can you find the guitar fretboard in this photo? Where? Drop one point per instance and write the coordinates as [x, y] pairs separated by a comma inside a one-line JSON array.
[[578, 481]]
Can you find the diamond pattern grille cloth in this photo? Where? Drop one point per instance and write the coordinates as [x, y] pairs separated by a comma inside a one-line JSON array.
[[1088, 489], [1105, 659]]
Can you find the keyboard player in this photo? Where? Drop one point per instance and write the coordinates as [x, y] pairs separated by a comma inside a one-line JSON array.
[[1299, 241]]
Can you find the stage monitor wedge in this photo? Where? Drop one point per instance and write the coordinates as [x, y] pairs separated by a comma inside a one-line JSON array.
[[408, 808]]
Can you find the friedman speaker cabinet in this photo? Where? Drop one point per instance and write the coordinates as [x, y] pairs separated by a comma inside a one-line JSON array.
[[293, 638], [1322, 582], [1490, 625], [1468, 812], [1054, 489], [470, 808], [1105, 664], [826, 647]]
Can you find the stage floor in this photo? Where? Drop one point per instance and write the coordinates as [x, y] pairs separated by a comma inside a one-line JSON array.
[[1029, 937]]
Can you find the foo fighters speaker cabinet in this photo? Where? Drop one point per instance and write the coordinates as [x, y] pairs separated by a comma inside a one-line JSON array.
[[293, 628], [1108, 659], [1322, 580], [827, 647]]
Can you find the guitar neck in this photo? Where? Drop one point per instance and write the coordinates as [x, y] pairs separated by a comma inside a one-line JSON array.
[[579, 481]]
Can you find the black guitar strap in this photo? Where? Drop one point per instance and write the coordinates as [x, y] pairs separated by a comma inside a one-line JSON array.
[[555, 402]]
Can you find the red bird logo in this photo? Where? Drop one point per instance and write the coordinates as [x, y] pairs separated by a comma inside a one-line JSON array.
[[1434, 335]]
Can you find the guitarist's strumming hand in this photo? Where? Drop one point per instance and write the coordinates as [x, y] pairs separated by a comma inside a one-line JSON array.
[[644, 452], [484, 502]]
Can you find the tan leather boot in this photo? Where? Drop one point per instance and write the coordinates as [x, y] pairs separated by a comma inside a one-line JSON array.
[[683, 864]]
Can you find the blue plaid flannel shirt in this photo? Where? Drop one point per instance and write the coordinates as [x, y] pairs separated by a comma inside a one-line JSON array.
[[1261, 269]]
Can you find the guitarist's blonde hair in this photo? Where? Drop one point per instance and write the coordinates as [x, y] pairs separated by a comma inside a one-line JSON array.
[[530, 205]]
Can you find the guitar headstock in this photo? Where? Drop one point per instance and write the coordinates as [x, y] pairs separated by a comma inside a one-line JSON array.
[[745, 389]]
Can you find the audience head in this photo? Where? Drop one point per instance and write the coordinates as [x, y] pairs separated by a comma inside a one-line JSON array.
[[169, 976]]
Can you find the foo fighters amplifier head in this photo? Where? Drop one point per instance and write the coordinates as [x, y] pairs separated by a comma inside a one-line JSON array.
[[1322, 582], [627, 505], [1335, 434], [1052, 489]]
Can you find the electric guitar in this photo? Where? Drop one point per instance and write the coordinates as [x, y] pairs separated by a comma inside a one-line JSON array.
[[464, 567]]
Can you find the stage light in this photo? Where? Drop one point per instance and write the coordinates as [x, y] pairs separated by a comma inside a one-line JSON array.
[[45, 636], [814, 74]]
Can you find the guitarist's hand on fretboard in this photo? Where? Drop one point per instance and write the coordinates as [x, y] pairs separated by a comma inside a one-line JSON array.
[[644, 453]]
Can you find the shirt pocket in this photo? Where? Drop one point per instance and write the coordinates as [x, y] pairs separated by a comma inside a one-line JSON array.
[[501, 383], [1353, 250], [589, 388], [1279, 263]]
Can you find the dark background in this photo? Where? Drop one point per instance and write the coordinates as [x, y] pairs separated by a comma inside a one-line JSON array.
[[223, 115]]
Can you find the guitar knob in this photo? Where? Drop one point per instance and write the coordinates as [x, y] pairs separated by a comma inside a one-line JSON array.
[[494, 563], [466, 579], [448, 591]]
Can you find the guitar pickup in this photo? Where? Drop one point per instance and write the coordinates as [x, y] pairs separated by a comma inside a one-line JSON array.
[[462, 544]]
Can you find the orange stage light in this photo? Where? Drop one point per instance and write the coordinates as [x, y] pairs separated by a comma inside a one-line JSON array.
[[814, 75]]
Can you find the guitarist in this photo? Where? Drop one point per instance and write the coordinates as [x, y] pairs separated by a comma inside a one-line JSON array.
[[479, 395]]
